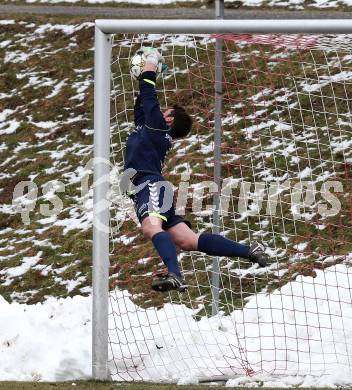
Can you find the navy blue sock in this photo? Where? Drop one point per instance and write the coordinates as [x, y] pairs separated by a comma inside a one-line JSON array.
[[167, 251], [216, 245]]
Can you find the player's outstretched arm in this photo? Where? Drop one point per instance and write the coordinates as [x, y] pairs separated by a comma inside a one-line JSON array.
[[138, 112], [154, 119]]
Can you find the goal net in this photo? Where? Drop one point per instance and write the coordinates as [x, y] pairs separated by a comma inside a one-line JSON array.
[[286, 158]]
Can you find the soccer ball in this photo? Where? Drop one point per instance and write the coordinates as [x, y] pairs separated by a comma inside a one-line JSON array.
[[137, 65]]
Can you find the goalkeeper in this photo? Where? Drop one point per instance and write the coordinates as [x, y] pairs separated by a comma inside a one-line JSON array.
[[146, 150]]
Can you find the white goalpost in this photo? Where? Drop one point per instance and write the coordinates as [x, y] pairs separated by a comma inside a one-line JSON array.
[[270, 159]]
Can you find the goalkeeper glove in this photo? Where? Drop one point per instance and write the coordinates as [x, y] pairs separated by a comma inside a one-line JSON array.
[[153, 56]]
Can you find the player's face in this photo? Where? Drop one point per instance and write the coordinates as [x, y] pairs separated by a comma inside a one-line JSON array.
[[169, 119]]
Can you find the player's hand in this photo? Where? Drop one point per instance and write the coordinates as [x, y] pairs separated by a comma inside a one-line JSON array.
[[153, 56]]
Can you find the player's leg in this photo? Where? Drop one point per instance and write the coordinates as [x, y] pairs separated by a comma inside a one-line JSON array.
[[162, 241], [152, 226], [184, 237], [165, 246], [216, 245]]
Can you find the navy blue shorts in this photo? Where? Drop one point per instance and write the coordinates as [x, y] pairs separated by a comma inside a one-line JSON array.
[[154, 196]]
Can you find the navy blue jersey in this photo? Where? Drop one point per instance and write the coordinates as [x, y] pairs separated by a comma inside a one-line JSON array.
[[150, 141]]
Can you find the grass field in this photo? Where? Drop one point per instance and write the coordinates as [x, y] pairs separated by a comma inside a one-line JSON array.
[[51, 106], [52, 73], [309, 5], [47, 92]]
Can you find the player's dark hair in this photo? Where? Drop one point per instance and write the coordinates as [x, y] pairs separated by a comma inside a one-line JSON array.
[[182, 122]]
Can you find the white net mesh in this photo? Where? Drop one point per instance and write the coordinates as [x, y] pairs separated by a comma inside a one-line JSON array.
[[286, 179]]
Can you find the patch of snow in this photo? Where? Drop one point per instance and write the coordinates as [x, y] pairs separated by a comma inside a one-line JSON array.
[[26, 264], [16, 56], [5, 113], [324, 3], [307, 172], [45, 342], [45, 124], [76, 221], [250, 130], [279, 321], [326, 80], [12, 126], [81, 87], [128, 240], [73, 283], [4, 44], [6, 22], [65, 28], [21, 146]]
